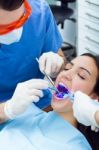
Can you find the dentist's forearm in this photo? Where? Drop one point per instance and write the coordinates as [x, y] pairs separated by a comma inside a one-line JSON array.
[[3, 117]]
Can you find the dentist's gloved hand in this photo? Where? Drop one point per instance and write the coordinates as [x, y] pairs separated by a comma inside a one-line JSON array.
[[25, 93], [84, 109], [51, 63]]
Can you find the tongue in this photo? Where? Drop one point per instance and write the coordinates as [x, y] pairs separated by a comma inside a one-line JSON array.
[[63, 91], [62, 88]]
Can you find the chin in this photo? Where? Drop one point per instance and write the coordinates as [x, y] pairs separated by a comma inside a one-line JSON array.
[[61, 106]]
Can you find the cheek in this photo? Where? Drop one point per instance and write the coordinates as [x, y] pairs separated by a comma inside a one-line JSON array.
[[83, 86], [75, 87], [88, 87], [76, 84]]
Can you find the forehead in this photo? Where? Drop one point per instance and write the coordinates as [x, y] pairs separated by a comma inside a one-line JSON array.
[[87, 63], [86, 60], [7, 17]]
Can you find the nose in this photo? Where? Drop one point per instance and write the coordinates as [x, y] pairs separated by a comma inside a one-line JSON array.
[[69, 74]]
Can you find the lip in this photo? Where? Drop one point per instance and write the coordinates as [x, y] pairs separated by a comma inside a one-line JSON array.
[[58, 100], [63, 89], [63, 82]]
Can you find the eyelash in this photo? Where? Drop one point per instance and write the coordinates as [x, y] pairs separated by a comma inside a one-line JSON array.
[[66, 69], [78, 74], [81, 77]]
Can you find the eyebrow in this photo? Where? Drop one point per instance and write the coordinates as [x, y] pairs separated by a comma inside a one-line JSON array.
[[86, 70], [81, 68]]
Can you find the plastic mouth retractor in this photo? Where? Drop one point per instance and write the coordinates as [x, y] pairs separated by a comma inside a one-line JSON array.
[[64, 92]]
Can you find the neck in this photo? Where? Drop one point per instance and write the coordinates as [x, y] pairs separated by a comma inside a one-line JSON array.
[[68, 116]]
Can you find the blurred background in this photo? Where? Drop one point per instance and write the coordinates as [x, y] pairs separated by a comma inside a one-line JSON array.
[[78, 22]]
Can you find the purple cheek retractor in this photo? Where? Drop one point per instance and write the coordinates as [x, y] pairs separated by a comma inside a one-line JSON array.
[[63, 92]]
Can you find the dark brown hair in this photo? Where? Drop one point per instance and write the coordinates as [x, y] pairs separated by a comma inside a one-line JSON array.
[[96, 60], [10, 4]]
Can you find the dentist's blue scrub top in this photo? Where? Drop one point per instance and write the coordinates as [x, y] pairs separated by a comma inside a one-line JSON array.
[[17, 60], [38, 130]]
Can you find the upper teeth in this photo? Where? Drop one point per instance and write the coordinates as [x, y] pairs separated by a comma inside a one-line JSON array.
[[60, 83]]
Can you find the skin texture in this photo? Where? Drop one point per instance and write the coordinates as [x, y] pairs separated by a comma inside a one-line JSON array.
[[7, 17]]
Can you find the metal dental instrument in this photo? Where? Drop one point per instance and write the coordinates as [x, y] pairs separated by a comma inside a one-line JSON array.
[[49, 79]]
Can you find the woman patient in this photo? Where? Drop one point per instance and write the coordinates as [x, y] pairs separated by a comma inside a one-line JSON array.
[[55, 130]]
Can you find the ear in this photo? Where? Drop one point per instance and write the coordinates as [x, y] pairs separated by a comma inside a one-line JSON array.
[[94, 96]]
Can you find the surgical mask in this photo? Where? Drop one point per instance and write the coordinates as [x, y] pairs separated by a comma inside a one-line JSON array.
[[11, 37]]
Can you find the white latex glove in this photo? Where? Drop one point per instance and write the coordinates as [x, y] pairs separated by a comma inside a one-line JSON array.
[[51, 63], [84, 109], [25, 93]]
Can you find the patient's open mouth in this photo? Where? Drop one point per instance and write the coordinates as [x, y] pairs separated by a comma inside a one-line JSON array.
[[63, 91]]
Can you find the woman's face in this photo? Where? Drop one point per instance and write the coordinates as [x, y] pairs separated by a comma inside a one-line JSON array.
[[80, 74]]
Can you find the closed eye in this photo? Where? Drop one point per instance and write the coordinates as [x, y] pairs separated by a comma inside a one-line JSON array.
[[66, 69], [83, 78]]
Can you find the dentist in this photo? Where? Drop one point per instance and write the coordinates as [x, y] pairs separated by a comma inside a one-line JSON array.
[[27, 30]]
